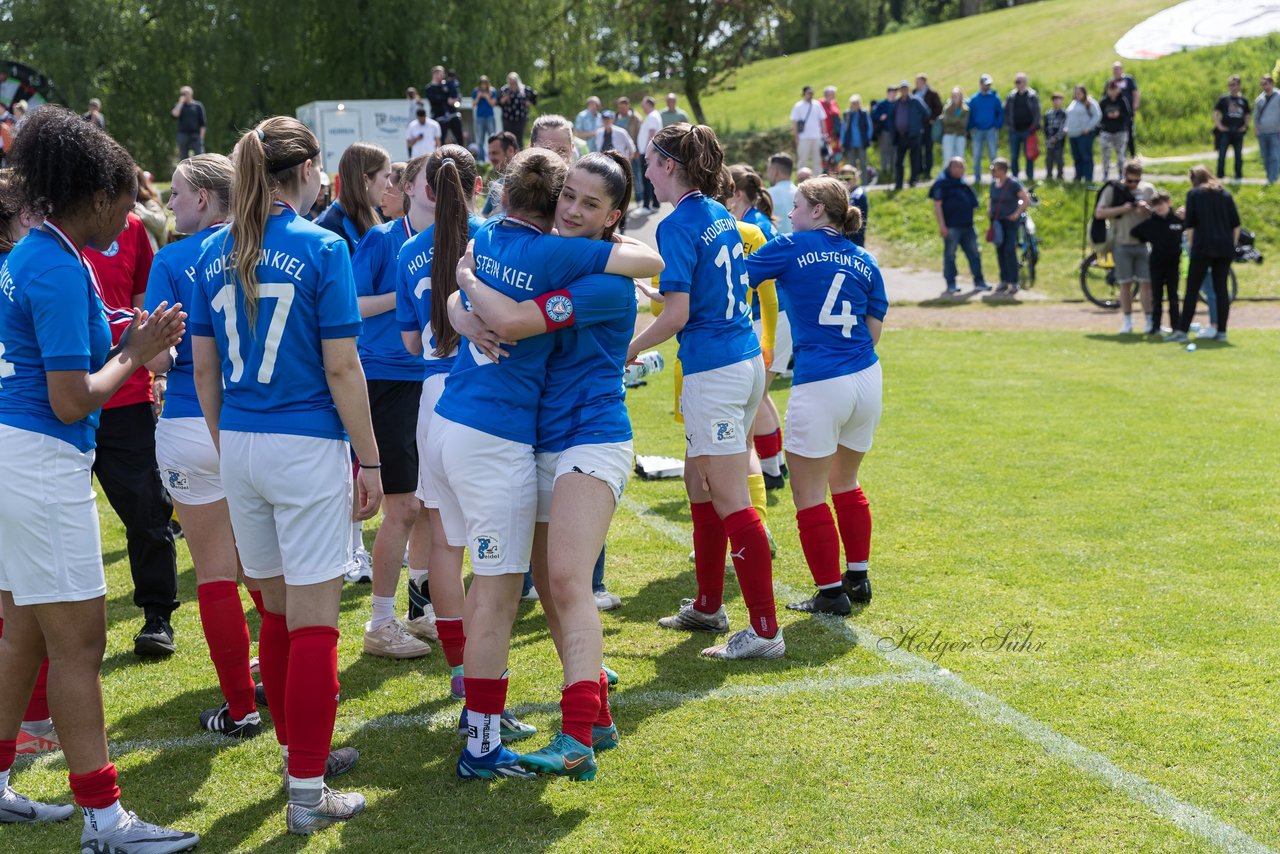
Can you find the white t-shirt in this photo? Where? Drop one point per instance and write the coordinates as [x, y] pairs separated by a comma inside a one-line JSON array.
[[651, 125], [423, 137], [783, 194], [811, 113]]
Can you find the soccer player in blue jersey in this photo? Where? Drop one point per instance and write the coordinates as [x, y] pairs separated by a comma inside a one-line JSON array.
[[274, 323], [704, 287], [485, 427], [200, 198], [57, 368], [583, 449], [835, 296], [364, 173]]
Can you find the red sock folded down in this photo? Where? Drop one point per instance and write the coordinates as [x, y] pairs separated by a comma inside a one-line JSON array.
[[579, 709], [768, 445], [709, 545], [312, 703], [853, 514], [453, 639], [821, 543], [96, 790], [273, 665], [754, 567], [227, 634], [606, 716], [486, 696]]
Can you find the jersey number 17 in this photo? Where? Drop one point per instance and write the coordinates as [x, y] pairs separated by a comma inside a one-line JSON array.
[[225, 303]]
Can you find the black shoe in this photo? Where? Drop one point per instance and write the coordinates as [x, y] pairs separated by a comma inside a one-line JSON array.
[[858, 590], [156, 637], [219, 720], [419, 599], [821, 604], [260, 696], [774, 481]]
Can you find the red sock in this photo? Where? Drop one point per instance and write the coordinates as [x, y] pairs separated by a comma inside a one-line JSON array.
[[579, 708], [313, 698], [96, 790], [768, 445], [8, 751], [256, 596], [606, 717], [709, 544], [486, 696], [453, 639], [853, 513], [38, 708], [273, 666], [821, 544], [754, 568], [227, 634]]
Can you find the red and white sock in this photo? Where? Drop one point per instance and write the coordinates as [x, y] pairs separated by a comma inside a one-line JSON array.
[[97, 794], [821, 544], [312, 703], [273, 666], [606, 716], [453, 639], [486, 698], [750, 551], [769, 450], [853, 514], [227, 633], [709, 545], [579, 710]]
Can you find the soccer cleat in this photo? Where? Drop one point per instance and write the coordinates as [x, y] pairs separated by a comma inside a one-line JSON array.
[[393, 640], [747, 644], [132, 835], [421, 619], [565, 756], [611, 676], [1176, 337], [457, 687], [690, 619], [774, 481], [19, 809], [340, 761], [36, 739], [604, 738], [499, 763], [306, 819], [857, 589], [820, 604], [360, 570], [155, 638], [219, 720], [510, 728], [606, 601], [260, 695]]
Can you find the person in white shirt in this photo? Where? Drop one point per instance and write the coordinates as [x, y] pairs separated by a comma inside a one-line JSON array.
[[651, 125], [781, 190], [423, 134], [611, 137], [807, 127]]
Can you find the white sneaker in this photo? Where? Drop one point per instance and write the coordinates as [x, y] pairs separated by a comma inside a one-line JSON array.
[[334, 806], [424, 627], [607, 601], [1126, 326], [748, 644], [19, 809], [361, 569], [1207, 332], [690, 619], [393, 641], [531, 596], [132, 835]]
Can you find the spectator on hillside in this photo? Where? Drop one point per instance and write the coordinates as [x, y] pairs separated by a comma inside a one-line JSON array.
[[882, 128], [191, 123], [807, 119], [1083, 116], [1021, 119], [986, 117], [955, 126], [650, 125], [673, 114], [909, 118], [94, 114], [781, 190], [1230, 124], [1266, 124], [857, 198], [515, 99], [446, 105], [502, 147], [1129, 91], [1127, 204], [1163, 232], [855, 136], [587, 122], [1213, 227], [832, 126], [484, 103], [610, 137], [933, 103], [1114, 128], [422, 136], [1054, 123], [954, 202], [1008, 204]]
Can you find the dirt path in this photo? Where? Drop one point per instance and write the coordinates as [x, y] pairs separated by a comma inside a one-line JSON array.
[[1052, 316]]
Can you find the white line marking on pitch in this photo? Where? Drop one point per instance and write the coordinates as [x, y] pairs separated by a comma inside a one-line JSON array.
[[1187, 816]]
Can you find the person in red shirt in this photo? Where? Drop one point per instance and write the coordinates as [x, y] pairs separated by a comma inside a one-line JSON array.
[[831, 125], [126, 456]]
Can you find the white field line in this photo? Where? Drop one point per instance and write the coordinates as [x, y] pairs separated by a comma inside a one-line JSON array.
[[1186, 816]]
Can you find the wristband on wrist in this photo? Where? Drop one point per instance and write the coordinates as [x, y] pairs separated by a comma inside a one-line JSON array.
[[378, 466]]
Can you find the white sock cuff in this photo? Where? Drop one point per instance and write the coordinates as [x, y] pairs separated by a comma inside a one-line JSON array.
[[861, 566]]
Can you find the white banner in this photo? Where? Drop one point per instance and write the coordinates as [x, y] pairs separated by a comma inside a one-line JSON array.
[[1199, 23]]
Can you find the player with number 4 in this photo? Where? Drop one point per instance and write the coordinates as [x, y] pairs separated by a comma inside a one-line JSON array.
[[834, 295], [705, 288]]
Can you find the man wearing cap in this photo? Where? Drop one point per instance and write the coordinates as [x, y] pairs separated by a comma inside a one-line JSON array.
[[909, 119], [95, 114], [882, 130], [612, 138], [423, 134], [986, 117]]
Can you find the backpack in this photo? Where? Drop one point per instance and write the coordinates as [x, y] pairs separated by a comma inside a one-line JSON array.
[[1099, 229]]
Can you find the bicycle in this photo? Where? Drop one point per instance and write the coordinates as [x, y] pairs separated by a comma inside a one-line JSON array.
[[1028, 248]]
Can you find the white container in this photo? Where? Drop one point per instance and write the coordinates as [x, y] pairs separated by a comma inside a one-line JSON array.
[[647, 364]]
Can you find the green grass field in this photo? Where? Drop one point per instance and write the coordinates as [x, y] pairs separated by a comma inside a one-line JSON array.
[[1115, 502]]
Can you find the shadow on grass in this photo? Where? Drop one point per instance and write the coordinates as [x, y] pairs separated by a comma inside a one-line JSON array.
[[1127, 338]]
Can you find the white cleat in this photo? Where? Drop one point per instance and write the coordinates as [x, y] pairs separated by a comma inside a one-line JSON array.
[[748, 644], [132, 835], [19, 809]]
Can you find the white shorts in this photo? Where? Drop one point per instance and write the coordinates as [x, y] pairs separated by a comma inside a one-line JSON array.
[[781, 342], [719, 407], [188, 461], [290, 503], [488, 495], [839, 411], [50, 548], [432, 387], [608, 463]]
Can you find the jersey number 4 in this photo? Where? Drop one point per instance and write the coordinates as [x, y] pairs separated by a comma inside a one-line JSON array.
[[225, 303], [724, 259], [846, 319]]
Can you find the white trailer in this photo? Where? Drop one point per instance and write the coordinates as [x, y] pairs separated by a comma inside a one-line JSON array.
[[337, 124]]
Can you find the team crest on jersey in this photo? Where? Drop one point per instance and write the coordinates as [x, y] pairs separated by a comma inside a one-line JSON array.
[[487, 547], [114, 248], [559, 309], [177, 480], [724, 431]]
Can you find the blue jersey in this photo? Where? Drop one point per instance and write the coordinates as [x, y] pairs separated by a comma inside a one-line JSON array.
[[762, 222], [519, 261], [273, 373], [413, 293], [51, 319], [382, 351], [830, 287], [700, 244], [584, 402], [335, 219], [172, 280]]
